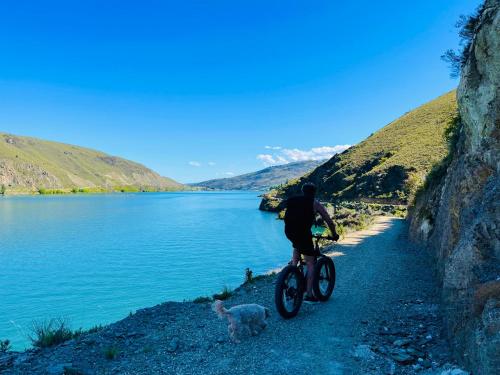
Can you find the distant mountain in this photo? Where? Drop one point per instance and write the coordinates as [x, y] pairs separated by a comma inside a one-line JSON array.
[[263, 179], [389, 165], [30, 165]]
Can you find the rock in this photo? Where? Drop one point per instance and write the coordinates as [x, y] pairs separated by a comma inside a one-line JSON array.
[[401, 342], [6, 359], [414, 352], [391, 368], [402, 357], [380, 349], [455, 371], [22, 357], [174, 345], [73, 371], [221, 340], [58, 369], [363, 352], [426, 363], [417, 367]]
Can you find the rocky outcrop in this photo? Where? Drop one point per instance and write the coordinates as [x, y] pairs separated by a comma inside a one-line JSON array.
[[459, 216]]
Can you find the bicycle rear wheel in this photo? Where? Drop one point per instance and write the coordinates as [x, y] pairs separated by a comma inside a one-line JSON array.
[[324, 278], [289, 292]]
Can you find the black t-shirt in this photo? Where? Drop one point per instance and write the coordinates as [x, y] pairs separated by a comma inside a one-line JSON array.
[[299, 215]]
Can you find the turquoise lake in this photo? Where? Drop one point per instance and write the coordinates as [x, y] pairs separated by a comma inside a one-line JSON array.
[[92, 259]]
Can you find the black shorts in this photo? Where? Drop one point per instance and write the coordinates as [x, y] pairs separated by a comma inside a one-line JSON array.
[[301, 241]]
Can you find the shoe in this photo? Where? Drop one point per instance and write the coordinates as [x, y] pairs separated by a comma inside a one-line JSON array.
[[310, 299]]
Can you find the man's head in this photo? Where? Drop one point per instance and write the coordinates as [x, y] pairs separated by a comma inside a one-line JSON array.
[[309, 189]]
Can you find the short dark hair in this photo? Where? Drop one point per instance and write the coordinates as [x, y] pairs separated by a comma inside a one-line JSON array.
[[309, 189]]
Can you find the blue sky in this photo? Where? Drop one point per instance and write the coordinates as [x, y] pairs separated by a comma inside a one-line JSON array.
[[198, 89]]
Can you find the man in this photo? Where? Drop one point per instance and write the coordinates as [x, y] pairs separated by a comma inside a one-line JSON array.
[[299, 218]]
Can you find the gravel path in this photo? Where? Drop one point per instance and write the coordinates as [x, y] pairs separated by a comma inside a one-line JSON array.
[[384, 293]]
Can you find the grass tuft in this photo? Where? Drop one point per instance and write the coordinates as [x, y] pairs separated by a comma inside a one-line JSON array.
[[111, 353], [5, 346], [50, 333], [224, 294], [202, 299], [249, 279]]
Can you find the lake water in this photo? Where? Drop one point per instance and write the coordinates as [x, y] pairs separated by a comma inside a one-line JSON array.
[[92, 259]]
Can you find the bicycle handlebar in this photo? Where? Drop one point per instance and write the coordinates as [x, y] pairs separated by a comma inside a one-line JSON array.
[[319, 237]]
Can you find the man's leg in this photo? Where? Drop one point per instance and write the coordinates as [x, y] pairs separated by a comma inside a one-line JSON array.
[[295, 257], [310, 260]]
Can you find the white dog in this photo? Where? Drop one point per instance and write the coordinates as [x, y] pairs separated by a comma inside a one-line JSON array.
[[243, 319]]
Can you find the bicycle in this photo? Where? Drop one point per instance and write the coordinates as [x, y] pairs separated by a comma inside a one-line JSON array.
[[291, 282]]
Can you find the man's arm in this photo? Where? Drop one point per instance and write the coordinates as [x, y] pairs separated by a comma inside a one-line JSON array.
[[318, 207]]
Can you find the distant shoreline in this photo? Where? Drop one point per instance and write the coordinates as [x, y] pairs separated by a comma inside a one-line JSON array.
[[85, 191]]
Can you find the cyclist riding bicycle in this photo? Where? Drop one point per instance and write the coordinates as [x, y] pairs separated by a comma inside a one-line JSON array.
[[299, 218]]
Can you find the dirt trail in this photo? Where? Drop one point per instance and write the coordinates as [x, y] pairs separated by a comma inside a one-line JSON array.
[[384, 293]]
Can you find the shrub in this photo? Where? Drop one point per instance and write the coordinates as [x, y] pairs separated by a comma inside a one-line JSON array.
[[50, 333], [248, 276], [451, 135], [111, 353], [398, 212], [341, 231], [82, 331], [202, 299], [2, 189], [5, 346], [467, 26], [44, 191], [225, 294]]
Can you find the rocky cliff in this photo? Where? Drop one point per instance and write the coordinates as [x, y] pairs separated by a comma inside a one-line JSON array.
[[458, 216]]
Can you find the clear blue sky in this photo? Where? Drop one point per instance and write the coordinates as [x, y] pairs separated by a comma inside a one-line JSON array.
[[198, 89]]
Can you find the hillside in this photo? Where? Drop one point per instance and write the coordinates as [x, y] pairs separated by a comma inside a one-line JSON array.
[[29, 165], [389, 165], [263, 179]]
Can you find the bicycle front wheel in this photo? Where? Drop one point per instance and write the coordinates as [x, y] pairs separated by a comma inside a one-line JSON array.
[[289, 292], [324, 278]]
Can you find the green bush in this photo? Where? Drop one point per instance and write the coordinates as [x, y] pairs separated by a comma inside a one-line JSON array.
[[50, 333], [467, 26], [82, 331], [111, 353], [248, 276], [451, 135], [5, 346], [224, 294], [202, 299], [44, 191]]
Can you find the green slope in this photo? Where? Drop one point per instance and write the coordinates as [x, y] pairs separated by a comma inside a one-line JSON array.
[[389, 165], [29, 164], [263, 179]]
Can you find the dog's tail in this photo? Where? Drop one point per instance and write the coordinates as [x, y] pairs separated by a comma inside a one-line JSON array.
[[219, 309]]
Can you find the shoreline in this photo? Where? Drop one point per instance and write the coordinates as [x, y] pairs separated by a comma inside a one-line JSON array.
[[187, 337], [227, 292]]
